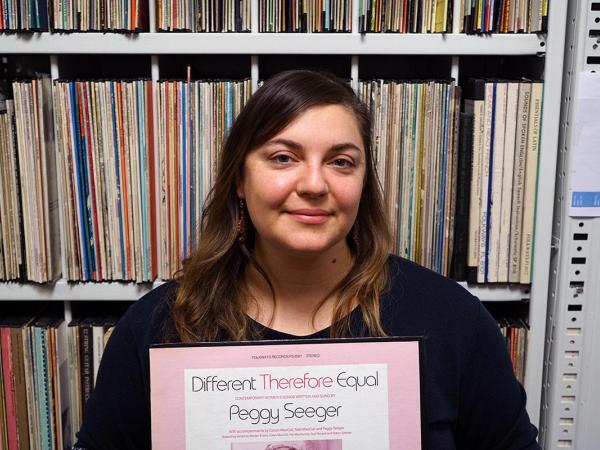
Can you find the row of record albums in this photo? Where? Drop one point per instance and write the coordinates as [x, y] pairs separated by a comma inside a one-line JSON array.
[[120, 162], [397, 16], [48, 370]]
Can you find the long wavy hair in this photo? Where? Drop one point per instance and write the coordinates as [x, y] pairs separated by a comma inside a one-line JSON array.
[[211, 298]]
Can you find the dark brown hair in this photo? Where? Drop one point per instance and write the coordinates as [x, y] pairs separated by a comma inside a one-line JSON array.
[[211, 298]]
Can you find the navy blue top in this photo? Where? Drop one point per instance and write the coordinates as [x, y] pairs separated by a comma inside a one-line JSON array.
[[472, 399]]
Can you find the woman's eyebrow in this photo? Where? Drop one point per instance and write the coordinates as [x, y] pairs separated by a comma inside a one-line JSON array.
[[287, 142], [345, 146], [297, 146]]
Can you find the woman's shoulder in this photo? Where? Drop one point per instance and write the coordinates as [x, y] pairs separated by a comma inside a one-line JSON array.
[[156, 299], [410, 280], [424, 300], [149, 318]]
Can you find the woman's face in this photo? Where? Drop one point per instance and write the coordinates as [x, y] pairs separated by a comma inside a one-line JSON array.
[[303, 187]]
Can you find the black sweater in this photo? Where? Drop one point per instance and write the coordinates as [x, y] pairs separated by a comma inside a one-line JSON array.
[[472, 399]]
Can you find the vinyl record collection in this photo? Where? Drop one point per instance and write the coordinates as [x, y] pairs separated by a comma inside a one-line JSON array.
[[405, 16], [504, 16], [203, 15], [175, 15], [398, 16], [503, 181], [515, 332], [11, 253], [461, 203], [35, 401], [100, 15], [47, 372], [305, 16], [30, 244], [415, 143], [457, 185], [105, 147], [23, 15], [192, 118], [85, 341]]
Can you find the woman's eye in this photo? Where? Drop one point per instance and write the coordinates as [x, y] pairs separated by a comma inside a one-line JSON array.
[[344, 163], [282, 159]]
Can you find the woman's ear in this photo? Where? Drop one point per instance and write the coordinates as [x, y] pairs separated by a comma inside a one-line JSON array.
[[240, 189], [239, 185]]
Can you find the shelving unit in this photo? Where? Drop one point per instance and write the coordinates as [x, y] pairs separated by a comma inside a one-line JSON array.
[[458, 52]]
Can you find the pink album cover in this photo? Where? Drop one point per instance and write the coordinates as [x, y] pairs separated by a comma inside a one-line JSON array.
[[319, 444], [348, 394]]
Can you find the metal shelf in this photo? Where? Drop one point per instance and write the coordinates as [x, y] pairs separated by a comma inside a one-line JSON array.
[[499, 292], [62, 290], [272, 43]]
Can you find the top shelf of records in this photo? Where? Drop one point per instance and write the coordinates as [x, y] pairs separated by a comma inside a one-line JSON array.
[[267, 43], [279, 16]]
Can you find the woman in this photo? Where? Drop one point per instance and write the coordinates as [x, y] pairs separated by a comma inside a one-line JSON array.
[[294, 243]]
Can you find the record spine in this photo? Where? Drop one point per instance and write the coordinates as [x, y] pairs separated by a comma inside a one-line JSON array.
[[461, 224], [531, 176], [516, 218]]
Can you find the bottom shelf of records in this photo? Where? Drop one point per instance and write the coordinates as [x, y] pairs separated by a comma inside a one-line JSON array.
[[47, 370], [48, 366]]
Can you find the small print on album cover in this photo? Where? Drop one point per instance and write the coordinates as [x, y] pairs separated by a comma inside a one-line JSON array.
[[322, 444]]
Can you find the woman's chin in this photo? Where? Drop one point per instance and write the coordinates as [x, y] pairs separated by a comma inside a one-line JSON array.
[[301, 245], [311, 248]]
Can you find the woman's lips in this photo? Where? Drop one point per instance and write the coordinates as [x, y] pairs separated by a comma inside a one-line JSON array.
[[310, 215]]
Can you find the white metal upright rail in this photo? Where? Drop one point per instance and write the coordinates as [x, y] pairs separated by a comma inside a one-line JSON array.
[[571, 396]]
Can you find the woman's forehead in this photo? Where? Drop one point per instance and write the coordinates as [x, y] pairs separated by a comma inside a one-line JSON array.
[[335, 124]]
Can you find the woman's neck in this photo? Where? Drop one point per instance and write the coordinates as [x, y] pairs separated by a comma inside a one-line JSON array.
[[301, 283]]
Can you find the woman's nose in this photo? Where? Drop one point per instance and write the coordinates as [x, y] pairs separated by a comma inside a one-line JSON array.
[[312, 182]]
